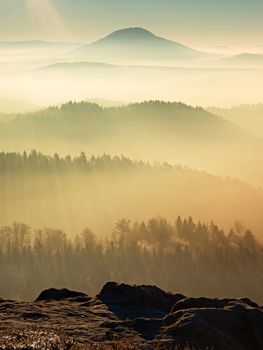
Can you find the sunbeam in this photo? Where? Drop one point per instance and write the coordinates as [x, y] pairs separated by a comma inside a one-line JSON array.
[[46, 17]]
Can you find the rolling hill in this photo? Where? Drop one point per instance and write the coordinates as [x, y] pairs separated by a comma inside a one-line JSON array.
[[244, 60], [154, 130], [249, 117]]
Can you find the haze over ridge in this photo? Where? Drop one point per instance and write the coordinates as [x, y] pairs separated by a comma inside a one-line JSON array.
[[82, 20]]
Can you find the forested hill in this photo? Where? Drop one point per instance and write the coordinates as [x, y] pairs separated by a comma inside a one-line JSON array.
[[87, 119], [72, 192], [149, 131]]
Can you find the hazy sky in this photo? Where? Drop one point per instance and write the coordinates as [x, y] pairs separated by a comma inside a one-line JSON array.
[[195, 22]]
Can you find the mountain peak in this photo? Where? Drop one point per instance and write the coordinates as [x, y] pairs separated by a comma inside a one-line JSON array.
[[136, 44], [130, 34]]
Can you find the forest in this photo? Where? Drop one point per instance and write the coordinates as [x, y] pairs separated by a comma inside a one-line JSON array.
[[180, 256], [177, 254], [59, 206], [70, 192], [150, 131]]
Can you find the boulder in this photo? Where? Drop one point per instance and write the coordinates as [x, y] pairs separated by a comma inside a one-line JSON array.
[[190, 303], [60, 294], [226, 324], [138, 297]]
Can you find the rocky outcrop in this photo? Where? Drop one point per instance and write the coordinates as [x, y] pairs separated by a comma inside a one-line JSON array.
[[226, 324], [191, 303], [145, 315], [60, 294], [126, 300]]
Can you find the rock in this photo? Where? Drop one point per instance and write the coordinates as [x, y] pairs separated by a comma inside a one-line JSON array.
[[145, 316], [190, 303], [138, 296], [60, 294], [249, 302], [226, 324]]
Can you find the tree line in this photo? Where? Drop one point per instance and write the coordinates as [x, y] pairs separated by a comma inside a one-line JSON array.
[[195, 259], [37, 161]]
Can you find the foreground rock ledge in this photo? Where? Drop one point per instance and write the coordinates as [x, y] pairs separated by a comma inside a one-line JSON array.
[[145, 315]]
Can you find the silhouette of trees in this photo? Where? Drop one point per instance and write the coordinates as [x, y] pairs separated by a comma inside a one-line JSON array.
[[38, 162], [184, 256]]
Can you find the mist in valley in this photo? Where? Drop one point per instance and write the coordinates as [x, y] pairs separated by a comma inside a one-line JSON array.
[[54, 82], [103, 146], [127, 65]]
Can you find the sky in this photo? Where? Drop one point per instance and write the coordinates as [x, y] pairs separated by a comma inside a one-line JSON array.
[[194, 22]]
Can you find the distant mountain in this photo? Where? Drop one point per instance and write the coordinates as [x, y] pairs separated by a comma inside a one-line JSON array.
[[73, 66], [249, 117], [136, 45], [37, 45], [25, 54], [18, 49], [25, 44], [246, 60]]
